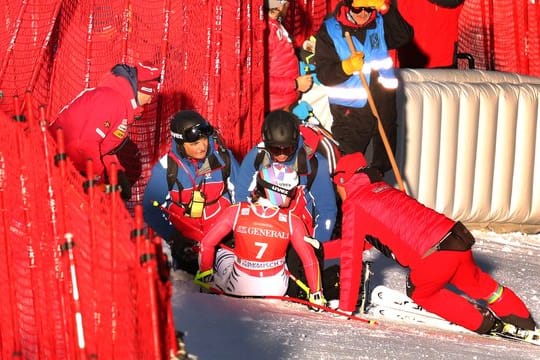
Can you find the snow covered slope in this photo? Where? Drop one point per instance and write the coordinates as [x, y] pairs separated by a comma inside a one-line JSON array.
[[221, 327]]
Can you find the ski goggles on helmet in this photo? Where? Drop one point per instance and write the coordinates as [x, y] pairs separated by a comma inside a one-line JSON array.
[[193, 133], [281, 150], [276, 194], [358, 10]]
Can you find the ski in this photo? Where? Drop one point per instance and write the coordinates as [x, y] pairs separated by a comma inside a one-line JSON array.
[[392, 313], [386, 297], [511, 332], [387, 303]]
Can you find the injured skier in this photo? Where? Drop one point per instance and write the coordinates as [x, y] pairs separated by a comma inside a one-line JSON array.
[[263, 229], [435, 249]]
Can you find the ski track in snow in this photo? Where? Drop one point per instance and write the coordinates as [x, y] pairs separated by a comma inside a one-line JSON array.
[[221, 328]]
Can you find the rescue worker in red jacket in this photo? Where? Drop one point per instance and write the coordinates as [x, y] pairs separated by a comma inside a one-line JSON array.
[[263, 229], [285, 81], [436, 33], [436, 249], [96, 123]]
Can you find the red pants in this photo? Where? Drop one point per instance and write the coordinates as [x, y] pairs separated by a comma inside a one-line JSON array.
[[458, 268]]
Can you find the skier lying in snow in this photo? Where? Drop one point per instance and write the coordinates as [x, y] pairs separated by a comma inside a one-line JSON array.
[[263, 230], [436, 249]]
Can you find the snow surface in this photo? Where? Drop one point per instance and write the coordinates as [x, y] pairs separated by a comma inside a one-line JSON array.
[[221, 328]]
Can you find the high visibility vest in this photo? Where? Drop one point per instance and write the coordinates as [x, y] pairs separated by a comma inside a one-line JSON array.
[[351, 93]]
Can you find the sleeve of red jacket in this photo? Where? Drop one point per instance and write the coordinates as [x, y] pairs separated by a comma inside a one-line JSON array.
[[352, 247], [306, 253], [115, 134], [283, 67], [221, 227]]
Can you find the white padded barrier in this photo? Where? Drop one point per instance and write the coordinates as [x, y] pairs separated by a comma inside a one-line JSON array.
[[467, 144]]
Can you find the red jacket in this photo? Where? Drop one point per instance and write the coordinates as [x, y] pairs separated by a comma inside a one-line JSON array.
[[283, 68], [96, 122], [405, 229], [435, 33]]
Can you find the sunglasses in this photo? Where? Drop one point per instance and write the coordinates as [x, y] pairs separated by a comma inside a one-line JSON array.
[[358, 10], [281, 150], [194, 133]]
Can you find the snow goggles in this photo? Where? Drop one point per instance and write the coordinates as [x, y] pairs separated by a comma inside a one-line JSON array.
[[194, 133], [281, 150], [358, 10]]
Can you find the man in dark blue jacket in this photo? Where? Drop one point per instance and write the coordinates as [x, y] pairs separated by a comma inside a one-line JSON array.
[[282, 142], [189, 187]]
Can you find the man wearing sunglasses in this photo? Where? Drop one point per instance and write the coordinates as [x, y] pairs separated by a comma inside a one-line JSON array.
[[315, 200], [375, 26], [282, 142], [189, 187]]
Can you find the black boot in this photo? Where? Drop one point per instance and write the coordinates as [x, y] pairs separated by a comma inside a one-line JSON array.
[[490, 323], [522, 323]]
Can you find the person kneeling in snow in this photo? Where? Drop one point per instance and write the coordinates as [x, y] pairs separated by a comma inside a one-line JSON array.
[[263, 230], [436, 249]]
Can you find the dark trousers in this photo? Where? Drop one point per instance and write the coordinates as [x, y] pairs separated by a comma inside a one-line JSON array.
[[354, 128]]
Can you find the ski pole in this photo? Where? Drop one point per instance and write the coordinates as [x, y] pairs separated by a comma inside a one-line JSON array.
[[213, 290], [382, 132], [366, 277], [298, 282]]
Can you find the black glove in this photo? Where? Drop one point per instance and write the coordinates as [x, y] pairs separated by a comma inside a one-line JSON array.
[[125, 186]]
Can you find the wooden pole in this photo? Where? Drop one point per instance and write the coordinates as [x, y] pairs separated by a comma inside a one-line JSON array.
[[382, 133]]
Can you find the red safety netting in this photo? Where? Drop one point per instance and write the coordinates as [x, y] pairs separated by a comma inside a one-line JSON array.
[[78, 278], [211, 55], [502, 35]]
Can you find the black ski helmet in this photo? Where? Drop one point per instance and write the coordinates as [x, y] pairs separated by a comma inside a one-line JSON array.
[[189, 126], [280, 129]]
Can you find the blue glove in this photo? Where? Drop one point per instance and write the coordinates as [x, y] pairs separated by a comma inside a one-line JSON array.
[[303, 111], [306, 68]]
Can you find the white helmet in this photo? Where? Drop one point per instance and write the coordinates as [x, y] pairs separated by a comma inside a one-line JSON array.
[[277, 182]]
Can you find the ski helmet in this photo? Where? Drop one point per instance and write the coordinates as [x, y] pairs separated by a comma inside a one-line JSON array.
[[277, 183], [189, 126], [280, 132]]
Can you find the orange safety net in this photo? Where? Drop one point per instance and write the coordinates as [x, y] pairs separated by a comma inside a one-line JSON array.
[[78, 277]]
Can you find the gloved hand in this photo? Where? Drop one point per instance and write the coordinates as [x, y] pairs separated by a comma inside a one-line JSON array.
[[203, 279], [125, 186], [317, 298], [354, 63]]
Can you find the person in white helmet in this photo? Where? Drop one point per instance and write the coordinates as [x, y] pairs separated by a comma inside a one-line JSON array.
[[263, 229]]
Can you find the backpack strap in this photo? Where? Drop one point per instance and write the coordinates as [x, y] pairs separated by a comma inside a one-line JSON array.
[[172, 173], [314, 164], [300, 164]]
